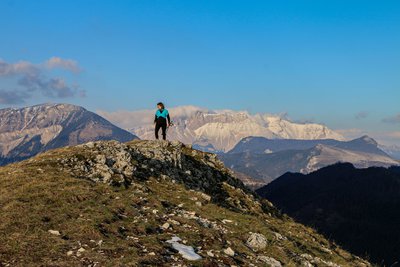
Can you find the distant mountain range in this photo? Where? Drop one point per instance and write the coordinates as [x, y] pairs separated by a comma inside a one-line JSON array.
[[262, 145], [290, 146], [220, 131], [357, 208], [25, 132], [266, 159]]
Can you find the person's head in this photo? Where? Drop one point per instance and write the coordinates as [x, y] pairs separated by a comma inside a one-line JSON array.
[[160, 105]]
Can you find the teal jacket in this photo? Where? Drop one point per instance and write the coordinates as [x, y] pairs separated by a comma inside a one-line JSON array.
[[162, 116]]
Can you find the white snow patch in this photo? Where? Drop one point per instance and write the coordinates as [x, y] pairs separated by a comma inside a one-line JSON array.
[[187, 252]]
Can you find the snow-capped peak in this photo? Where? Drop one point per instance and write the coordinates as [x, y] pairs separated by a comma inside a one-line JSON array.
[[369, 140], [220, 129]]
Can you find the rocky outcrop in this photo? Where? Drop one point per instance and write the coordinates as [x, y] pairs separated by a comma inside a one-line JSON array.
[[121, 164]]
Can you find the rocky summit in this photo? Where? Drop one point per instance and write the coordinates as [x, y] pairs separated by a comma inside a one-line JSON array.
[[146, 203]]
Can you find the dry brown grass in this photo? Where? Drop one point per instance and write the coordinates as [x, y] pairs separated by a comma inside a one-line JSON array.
[[35, 197]]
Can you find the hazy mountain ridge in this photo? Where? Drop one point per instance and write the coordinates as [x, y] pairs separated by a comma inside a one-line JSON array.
[[220, 130], [24, 132], [267, 159], [262, 145], [358, 208]]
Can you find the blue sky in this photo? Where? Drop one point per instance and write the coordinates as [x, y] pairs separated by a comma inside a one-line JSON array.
[[335, 62]]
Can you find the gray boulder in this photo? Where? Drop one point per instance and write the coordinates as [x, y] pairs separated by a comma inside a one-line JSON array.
[[269, 261], [256, 241]]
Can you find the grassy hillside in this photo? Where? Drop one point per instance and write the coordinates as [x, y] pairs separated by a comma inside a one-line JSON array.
[[113, 204]]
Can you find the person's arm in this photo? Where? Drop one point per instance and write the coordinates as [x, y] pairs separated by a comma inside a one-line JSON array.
[[169, 119], [155, 118]]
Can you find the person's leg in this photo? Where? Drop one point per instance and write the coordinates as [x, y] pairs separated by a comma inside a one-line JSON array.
[[157, 130], [164, 131]]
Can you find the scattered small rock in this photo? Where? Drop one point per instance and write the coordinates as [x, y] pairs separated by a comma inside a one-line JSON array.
[[54, 232], [174, 222], [230, 252], [90, 145], [326, 250], [269, 261], [205, 196], [306, 264], [278, 236], [80, 251], [165, 226], [210, 254]]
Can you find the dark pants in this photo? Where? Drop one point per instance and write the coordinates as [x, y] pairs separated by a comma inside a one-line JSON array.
[[163, 126]]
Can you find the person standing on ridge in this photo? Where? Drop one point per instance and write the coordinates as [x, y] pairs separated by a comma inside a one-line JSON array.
[[162, 120]]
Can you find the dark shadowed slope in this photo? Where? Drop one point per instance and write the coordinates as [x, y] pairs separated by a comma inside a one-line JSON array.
[[358, 208]]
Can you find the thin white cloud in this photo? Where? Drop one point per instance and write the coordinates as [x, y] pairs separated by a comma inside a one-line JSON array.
[[18, 68], [393, 119], [389, 138], [34, 78], [352, 133], [383, 137], [394, 134], [67, 64], [361, 115], [12, 97]]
